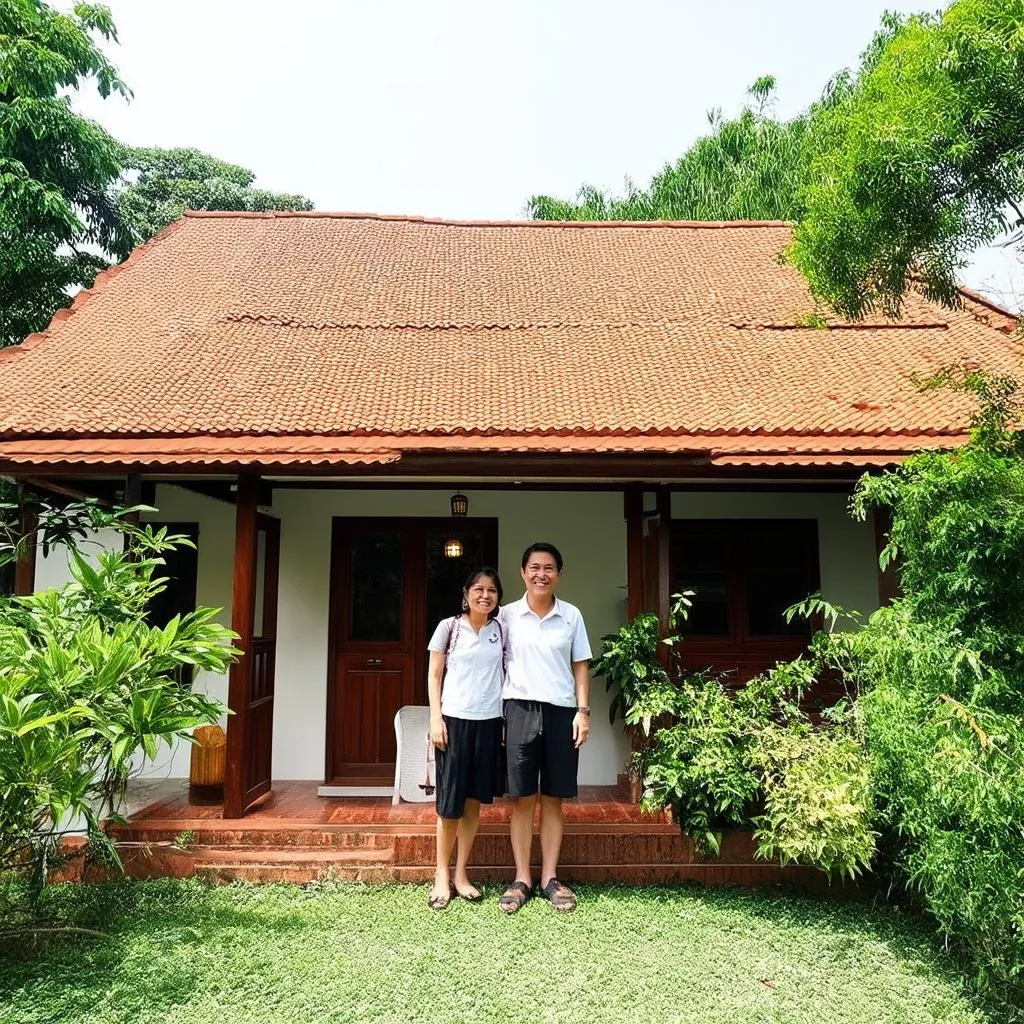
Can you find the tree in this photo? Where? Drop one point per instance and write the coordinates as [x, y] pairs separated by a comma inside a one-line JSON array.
[[57, 209], [919, 161], [750, 168], [166, 182]]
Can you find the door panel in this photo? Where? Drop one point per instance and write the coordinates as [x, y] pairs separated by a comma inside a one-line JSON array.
[[372, 694], [260, 715], [391, 583]]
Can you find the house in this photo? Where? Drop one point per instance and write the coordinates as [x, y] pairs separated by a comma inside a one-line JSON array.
[[316, 396]]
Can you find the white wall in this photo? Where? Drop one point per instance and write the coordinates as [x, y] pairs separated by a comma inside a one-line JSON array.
[[846, 548], [588, 528]]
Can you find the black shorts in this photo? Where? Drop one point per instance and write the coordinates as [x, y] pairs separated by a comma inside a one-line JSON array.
[[468, 767], [541, 753]]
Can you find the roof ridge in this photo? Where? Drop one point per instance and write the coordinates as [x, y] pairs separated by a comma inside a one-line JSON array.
[[102, 279], [983, 300], [479, 223]]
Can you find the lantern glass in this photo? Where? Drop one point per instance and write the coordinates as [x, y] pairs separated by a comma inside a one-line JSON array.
[[453, 548], [460, 505]]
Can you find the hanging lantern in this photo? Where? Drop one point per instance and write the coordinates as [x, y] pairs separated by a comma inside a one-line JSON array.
[[460, 506], [453, 548]]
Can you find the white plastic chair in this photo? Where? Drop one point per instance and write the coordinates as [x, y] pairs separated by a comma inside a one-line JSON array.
[[414, 758]]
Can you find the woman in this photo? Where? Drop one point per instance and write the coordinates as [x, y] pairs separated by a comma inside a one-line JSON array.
[[467, 663]]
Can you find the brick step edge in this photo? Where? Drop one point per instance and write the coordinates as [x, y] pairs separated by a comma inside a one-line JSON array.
[[496, 878], [311, 838]]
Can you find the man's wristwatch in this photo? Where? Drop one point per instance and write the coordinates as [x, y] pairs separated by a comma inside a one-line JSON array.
[[583, 709]]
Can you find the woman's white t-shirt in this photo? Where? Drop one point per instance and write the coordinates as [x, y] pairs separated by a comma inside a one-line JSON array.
[[473, 677]]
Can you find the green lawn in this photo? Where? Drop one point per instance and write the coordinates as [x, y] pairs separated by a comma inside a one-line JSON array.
[[184, 952]]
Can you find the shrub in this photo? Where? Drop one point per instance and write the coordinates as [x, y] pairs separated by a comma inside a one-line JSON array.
[[86, 685]]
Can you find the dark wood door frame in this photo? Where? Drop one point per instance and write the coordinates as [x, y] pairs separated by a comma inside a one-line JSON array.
[[415, 629], [251, 678]]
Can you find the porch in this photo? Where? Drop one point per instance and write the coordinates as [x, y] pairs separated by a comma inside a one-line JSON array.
[[335, 583], [292, 835]]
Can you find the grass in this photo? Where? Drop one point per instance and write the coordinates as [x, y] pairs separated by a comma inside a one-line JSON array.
[[185, 952]]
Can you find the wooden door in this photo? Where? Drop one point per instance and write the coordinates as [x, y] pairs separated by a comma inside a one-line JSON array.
[[391, 582], [253, 720], [264, 656]]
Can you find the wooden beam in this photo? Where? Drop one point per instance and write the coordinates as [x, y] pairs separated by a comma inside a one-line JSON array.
[[63, 490], [28, 527], [633, 507], [243, 607]]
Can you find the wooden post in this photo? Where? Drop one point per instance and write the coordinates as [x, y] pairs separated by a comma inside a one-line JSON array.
[[28, 526], [633, 502], [132, 497], [664, 556], [243, 606], [888, 580]]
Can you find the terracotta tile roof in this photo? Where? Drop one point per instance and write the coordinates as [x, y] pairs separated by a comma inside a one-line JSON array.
[[297, 335]]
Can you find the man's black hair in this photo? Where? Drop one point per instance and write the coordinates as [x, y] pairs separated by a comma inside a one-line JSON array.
[[542, 547]]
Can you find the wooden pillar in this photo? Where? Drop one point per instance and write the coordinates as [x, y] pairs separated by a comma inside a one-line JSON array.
[[243, 607], [633, 506], [664, 569], [888, 579], [28, 527], [132, 497]]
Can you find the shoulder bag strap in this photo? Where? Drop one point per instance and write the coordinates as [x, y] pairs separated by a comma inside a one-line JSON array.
[[504, 648]]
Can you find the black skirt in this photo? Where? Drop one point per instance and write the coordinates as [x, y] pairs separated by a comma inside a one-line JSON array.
[[471, 765]]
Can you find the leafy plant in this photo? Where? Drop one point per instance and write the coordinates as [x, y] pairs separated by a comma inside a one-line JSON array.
[[630, 665], [87, 688], [818, 798]]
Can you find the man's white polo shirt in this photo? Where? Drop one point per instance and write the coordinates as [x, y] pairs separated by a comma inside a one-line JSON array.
[[542, 650]]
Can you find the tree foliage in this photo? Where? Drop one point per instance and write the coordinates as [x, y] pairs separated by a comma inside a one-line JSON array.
[[162, 183], [57, 168], [747, 168], [919, 161]]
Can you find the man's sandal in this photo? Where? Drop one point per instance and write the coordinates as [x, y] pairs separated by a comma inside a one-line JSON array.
[[559, 895], [514, 897]]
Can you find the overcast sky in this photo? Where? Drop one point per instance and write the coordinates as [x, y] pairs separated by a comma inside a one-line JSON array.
[[465, 108]]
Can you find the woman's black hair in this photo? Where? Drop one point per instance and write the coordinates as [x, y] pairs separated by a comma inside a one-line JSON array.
[[483, 570]]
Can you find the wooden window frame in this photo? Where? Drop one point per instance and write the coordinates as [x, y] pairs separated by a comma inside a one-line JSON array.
[[800, 536]]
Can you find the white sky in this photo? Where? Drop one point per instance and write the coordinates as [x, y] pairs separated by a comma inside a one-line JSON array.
[[465, 108]]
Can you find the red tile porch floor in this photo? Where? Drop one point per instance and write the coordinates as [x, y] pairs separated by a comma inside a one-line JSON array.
[[296, 836]]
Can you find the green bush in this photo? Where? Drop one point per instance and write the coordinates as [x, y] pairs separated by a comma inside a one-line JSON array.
[[940, 673], [86, 687], [715, 755]]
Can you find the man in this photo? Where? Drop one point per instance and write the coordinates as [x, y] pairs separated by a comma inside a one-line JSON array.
[[547, 720]]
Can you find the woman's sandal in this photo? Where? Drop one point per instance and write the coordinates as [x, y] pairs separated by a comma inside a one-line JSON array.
[[514, 897], [559, 895]]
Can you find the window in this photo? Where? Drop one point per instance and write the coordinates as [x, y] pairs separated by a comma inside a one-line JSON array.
[[181, 569], [744, 574]]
